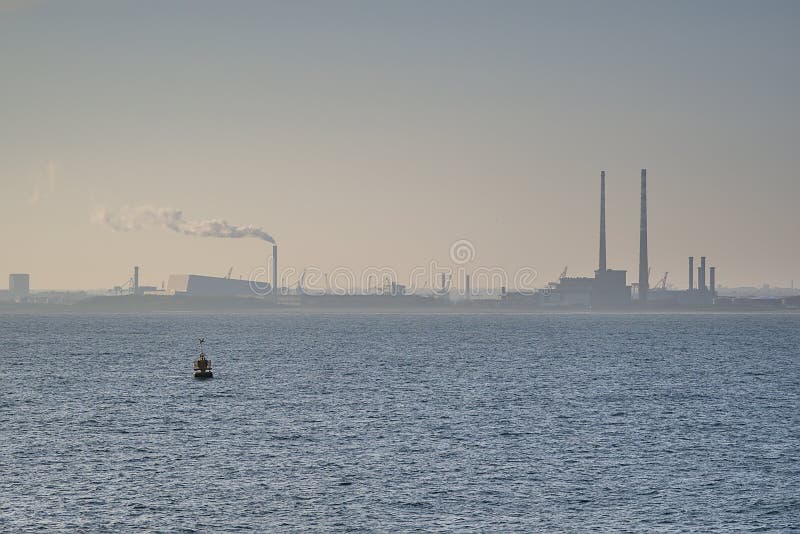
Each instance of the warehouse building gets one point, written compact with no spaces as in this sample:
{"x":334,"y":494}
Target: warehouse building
{"x":211,"y":286}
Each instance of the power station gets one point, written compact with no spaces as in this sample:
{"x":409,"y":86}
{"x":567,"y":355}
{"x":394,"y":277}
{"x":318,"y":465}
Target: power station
{"x":609,"y":288}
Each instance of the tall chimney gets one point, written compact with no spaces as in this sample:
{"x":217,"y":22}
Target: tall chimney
{"x":275,"y":272}
{"x":699,"y":277}
{"x":468,"y":289}
{"x":644,"y":284}
{"x":691,"y":273}
{"x":712,"y":279}
{"x":602,"y":266}
{"x":135,"y":279}
{"x":702,"y":280}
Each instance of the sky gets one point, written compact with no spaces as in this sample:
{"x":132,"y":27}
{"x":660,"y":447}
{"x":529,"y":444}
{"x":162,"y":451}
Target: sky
{"x":378,"y":134}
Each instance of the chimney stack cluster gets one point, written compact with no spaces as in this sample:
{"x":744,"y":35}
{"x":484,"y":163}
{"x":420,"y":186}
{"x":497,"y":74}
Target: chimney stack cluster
{"x":701,"y":277}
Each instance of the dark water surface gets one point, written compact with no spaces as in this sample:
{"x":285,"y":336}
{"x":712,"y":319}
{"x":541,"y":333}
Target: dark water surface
{"x":397,"y":422}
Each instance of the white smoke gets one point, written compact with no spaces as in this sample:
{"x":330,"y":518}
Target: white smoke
{"x":146,"y":217}
{"x":44,"y":185}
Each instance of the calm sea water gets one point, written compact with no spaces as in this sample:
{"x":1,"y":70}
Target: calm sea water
{"x":400,"y":422}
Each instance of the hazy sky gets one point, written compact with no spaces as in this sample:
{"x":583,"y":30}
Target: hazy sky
{"x":377,"y":133}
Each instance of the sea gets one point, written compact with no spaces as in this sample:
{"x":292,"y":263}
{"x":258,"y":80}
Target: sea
{"x":400,"y":422}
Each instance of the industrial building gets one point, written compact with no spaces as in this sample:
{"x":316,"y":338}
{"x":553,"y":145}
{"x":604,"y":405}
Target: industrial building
{"x":609,"y":287}
{"x":573,"y":292}
{"x":211,"y":286}
{"x":19,"y":286}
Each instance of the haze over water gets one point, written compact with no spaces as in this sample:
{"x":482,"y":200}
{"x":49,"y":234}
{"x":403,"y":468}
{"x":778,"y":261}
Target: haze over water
{"x":364,"y":134}
{"x":387,"y":422}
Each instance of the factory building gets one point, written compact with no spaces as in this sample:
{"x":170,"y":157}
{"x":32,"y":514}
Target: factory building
{"x":609,"y":287}
{"x":575,"y":292}
{"x":19,"y":286}
{"x":211,"y":286}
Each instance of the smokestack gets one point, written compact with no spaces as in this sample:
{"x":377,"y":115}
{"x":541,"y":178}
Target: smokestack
{"x":712,"y":274}
{"x":702,"y":279}
{"x":699,"y":276}
{"x":602,"y":266}
{"x":691,"y":273}
{"x":468,"y":294}
{"x":275,"y":272}
{"x":136,"y":280}
{"x":644,"y":271}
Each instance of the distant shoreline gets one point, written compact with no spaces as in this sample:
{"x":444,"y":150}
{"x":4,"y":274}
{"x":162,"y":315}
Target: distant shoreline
{"x":354,"y":305}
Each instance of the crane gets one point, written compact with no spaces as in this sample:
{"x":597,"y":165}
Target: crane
{"x":228,"y":276}
{"x":563,"y":273}
{"x":126,"y":287}
{"x":662,"y":284}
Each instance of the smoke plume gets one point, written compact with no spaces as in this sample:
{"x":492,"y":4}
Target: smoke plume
{"x":146,"y":217}
{"x":44,"y":185}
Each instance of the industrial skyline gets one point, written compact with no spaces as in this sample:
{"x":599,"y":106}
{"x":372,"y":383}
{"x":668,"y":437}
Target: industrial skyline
{"x":323,"y":265}
{"x":363,"y":135}
{"x":611,"y":281}
{"x":607,"y":290}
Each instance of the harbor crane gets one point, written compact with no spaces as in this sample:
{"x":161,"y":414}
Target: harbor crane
{"x":662,"y":284}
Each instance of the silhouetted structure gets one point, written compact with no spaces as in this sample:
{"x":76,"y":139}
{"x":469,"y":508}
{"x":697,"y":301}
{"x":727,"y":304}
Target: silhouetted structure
{"x":712,"y":274}
{"x":610,"y":289}
{"x":19,"y":286}
{"x":701,"y":283}
{"x":644,"y":270}
{"x":209,"y":286}
{"x":602,"y":266}
{"x":275,"y":284}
